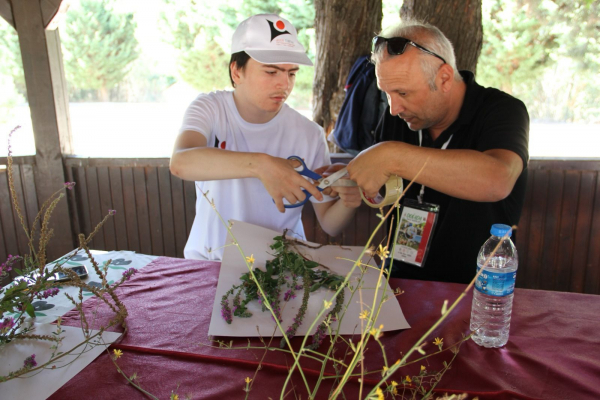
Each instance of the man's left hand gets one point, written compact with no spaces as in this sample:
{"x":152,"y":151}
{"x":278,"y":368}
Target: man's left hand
{"x":349,"y":195}
{"x":369,"y":169}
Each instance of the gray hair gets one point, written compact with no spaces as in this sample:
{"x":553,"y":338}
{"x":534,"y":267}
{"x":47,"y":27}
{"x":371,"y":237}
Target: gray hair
{"x":427,"y":36}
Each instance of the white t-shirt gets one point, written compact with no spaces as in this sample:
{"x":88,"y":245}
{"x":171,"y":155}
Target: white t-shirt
{"x":215,"y":116}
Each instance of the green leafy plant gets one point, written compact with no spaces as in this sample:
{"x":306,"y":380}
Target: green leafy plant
{"x":35,"y":280}
{"x":285,"y":271}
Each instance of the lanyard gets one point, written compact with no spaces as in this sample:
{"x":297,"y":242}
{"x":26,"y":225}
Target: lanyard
{"x":444,"y":146}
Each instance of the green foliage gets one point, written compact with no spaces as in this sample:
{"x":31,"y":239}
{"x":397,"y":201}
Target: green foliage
{"x":546,"y":53}
{"x":12,"y":79}
{"x":99,"y":46}
{"x":201,"y":32}
{"x":10,"y":54}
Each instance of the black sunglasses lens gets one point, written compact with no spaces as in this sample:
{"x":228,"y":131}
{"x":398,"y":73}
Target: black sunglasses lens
{"x":377,"y":42}
{"x":397,"y":45}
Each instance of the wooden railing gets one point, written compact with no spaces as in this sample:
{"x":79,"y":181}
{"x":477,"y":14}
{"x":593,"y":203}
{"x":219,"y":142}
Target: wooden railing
{"x":558,"y":237}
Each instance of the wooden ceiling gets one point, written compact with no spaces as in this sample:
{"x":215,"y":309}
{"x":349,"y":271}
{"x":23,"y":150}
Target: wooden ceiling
{"x":49,"y":10}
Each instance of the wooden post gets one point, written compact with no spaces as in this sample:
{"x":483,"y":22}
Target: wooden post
{"x":41,"y":57}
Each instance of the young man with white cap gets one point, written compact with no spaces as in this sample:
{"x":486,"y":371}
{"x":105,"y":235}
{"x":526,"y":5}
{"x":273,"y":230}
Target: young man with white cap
{"x":235,"y":144}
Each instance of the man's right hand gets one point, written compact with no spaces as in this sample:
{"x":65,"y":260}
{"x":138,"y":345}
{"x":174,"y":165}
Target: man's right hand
{"x":282,"y":181}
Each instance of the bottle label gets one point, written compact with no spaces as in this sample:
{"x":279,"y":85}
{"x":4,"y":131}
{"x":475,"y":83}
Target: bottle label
{"x":496,"y":283}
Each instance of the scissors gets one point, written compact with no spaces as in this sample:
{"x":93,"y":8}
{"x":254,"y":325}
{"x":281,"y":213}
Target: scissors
{"x":324,"y":183}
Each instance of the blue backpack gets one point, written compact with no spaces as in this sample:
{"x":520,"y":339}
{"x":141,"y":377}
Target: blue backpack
{"x":362,"y":109}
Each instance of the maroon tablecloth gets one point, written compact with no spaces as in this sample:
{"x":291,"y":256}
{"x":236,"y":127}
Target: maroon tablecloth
{"x":553,"y":351}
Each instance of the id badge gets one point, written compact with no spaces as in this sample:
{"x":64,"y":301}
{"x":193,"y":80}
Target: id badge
{"x":415,"y":230}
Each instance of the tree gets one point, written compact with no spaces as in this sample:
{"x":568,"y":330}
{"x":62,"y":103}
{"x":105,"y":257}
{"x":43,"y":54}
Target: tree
{"x":10,"y":54}
{"x":99,"y":46}
{"x":201,"y":32}
{"x":459,"y":20}
{"x":344,"y":30}
{"x":546,"y":53}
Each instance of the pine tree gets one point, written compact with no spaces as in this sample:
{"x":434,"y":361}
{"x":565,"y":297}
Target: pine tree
{"x":201,"y":32}
{"x":99,"y":46}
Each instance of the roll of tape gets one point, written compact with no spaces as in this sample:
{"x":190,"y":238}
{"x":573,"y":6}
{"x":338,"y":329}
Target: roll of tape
{"x":391,"y":191}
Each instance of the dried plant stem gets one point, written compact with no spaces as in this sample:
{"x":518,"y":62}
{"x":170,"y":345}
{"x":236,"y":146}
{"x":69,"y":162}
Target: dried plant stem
{"x":58,"y":357}
{"x":262,"y":293}
{"x":360,"y":344}
{"x":97,"y":228}
{"x":13,"y":193}
{"x":442,"y":318}
{"x":45,"y":234}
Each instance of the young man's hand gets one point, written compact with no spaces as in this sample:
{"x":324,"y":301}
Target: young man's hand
{"x":282,"y":181}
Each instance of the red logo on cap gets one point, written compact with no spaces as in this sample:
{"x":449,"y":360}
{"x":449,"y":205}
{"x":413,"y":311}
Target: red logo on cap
{"x":277,"y":29}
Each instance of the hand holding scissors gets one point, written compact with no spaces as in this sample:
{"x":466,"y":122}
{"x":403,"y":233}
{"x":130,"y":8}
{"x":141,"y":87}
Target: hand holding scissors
{"x":324,"y":183}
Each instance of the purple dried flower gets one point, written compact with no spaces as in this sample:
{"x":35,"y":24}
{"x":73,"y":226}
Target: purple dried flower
{"x":127,"y":274}
{"x":290,"y":294}
{"x":226,"y":313}
{"x":225,"y":310}
{"x":319,"y":336}
{"x":7,"y":265}
{"x":112,"y":212}
{"x":9,"y":139}
{"x":277,"y":313}
{"x":48,"y":293}
{"x":30,"y":361}
{"x":7,"y":324}
{"x":69,"y":185}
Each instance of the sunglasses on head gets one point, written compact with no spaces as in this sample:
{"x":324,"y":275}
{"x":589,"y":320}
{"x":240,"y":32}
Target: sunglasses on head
{"x":397,"y":46}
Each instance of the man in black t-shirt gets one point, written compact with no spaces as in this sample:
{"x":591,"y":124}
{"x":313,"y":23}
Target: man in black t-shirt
{"x":474,"y":138}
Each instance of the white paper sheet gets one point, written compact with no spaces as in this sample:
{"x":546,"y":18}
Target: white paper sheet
{"x":255,"y":240}
{"x":40,"y":385}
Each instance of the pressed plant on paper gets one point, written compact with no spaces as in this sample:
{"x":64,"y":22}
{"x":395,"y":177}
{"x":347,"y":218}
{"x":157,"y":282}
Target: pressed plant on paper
{"x":35,"y":280}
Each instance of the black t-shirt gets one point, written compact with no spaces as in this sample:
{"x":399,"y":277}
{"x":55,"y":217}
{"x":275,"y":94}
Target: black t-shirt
{"x":489,"y":119}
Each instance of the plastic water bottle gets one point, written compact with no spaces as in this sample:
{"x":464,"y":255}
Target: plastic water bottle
{"x":493,"y":293}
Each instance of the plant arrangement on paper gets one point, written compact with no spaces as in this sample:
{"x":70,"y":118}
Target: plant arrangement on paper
{"x":36,"y":280}
{"x":290,"y":273}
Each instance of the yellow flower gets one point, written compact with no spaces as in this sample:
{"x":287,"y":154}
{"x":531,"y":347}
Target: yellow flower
{"x":174,"y":396}
{"x":422,"y":368}
{"x":363,"y":314}
{"x":248,"y":380}
{"x":394,"y":383}
{"x":117,"y":353}
{"x":438,"y":341}
{"x":407,"y":379}
{"x":385,"y":370}
{"x":378,"y":395}
{"x":383,"y":252}
{"x":373,"y":332}
{"x":327,"y":304}
{"x":250,"y":259}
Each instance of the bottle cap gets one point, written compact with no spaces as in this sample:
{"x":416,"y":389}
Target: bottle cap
{"x":500,"y":230}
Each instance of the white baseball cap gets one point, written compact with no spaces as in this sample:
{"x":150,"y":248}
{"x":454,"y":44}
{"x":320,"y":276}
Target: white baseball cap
{"x":269,"y":39}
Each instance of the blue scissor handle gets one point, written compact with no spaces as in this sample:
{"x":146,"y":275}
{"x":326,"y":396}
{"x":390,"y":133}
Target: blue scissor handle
{"x":302,"y":169}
